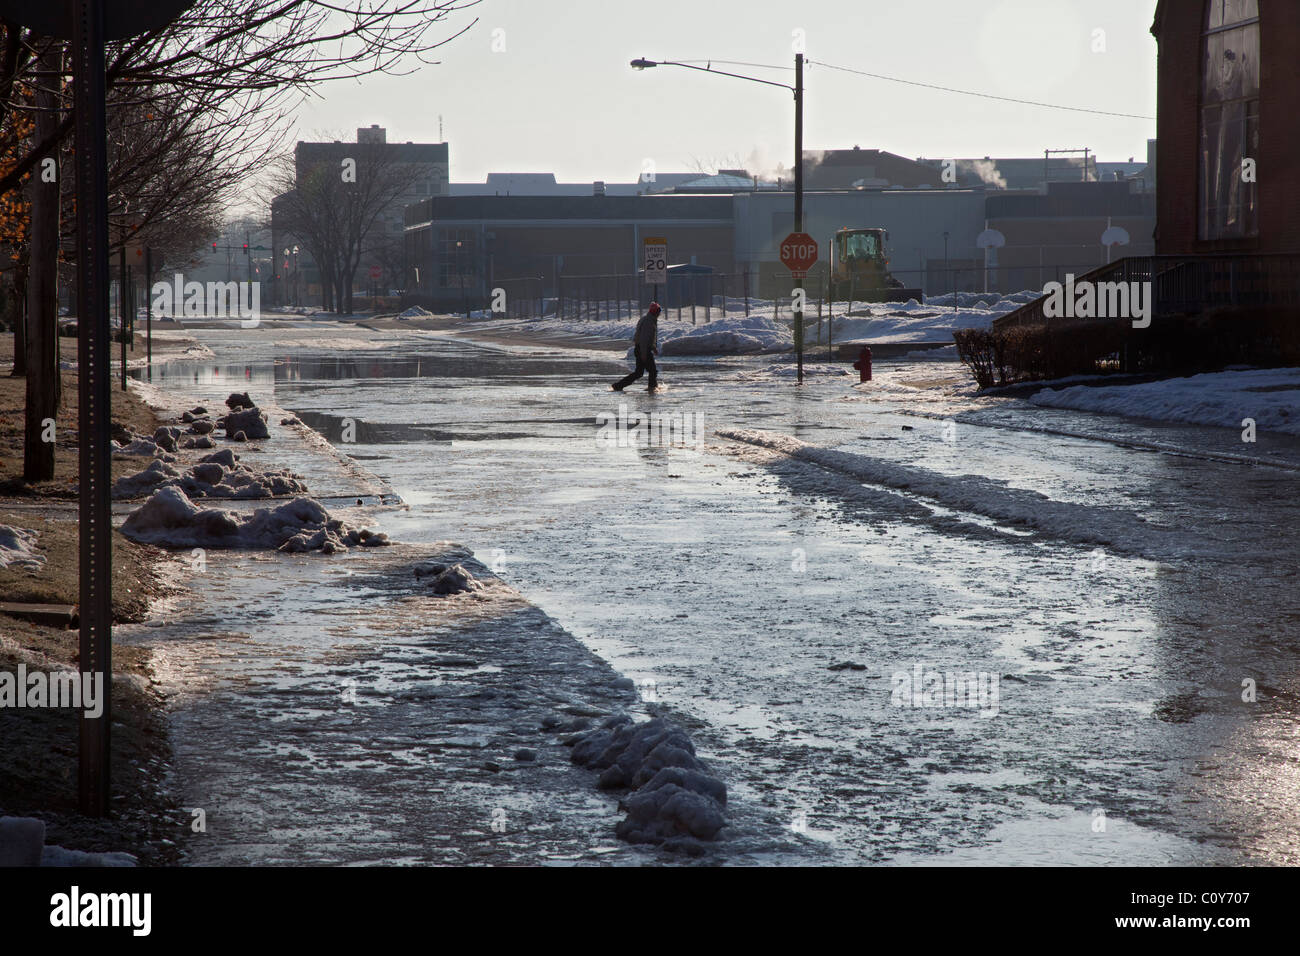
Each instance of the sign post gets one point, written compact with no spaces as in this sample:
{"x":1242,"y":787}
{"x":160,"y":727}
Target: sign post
{"x":88,"y":24}
{"x":799,"y":254}
{"x":655,"y":258}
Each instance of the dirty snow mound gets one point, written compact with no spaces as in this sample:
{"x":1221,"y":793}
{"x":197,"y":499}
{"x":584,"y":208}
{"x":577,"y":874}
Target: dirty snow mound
{"x":170,"y":519}
{"x":215,"y":476}
{"x":18,"y":549}
{"x":674,"y":802}
{"x":730,"y":336}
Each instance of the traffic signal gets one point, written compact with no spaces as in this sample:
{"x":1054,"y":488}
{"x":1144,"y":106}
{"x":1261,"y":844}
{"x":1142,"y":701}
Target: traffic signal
{"x":214,"y":247}
{"x":245,"y":247}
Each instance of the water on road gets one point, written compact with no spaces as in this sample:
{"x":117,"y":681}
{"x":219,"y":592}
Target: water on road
{"x":1130,"y":648}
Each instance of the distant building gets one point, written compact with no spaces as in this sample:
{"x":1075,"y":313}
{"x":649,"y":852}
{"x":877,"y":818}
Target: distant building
{"x":545,"y":184}
{"x":1020,"y":173}
{"x":856,"y":167}
{"x":459,"y":248}
{"x":1059,"y":231}
{"x":296,"y":276}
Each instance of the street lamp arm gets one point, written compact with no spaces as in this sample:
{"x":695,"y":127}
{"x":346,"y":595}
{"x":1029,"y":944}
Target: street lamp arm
{"x":643,"y":64}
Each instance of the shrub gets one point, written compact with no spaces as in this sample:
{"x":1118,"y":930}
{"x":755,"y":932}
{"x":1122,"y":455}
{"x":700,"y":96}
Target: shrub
{"x":1171,"y":344}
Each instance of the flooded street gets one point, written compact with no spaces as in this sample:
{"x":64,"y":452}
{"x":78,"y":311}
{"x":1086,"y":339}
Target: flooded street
{"x":1126,"y":597}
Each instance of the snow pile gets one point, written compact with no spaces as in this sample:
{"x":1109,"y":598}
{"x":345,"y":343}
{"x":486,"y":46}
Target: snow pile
{"x":250,"y":423}
{"x":215,"y":476}
{"x":674,"y":803}
{"x":784,"y":370}
{"x":730,"y":333}
{"x":910,"y":322}
{"x":449,"y":579}
{"x":18,"y":549}
{"x":167,"y":436}
{"x":414,"y":312}
{"x":983,"y":300}
{"x":141,"y":446}
{"x":22,"y":843}
{"x":170,"y":519}
{"x":731,"y":336}
{"x":1271,"y":397}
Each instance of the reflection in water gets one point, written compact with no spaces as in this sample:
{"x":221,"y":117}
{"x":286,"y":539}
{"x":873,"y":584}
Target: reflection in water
{"x":737,"y":586}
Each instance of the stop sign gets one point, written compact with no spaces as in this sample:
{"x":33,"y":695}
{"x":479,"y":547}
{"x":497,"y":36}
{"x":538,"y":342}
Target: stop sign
{"x":798,"y":252}
{"x":376,"y":272}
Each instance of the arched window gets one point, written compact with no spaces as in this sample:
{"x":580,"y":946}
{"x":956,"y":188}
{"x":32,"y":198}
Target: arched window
{"x":1229,"y":119}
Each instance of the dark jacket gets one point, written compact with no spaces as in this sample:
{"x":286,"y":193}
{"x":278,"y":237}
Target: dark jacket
{"x":646,"y":338}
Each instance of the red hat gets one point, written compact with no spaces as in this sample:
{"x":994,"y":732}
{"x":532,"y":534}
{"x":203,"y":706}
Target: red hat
{"x":654,"y":308}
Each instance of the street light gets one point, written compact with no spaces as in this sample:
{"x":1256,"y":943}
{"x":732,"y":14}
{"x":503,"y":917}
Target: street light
{"x":644,"y":64}
{"x":947,"y":271}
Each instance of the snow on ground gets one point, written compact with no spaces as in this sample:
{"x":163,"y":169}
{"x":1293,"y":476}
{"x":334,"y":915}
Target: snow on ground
{"x":733,"y":332}
{"x":1018,"y":510}
{"x":1269,"y":396}
{"x":783,"y":370}
{"x":892,"y":322}
{"x":171,"y":520}
{"x":18,"y":547}
{"x":732,"y":335}
{"x":218,"y":475}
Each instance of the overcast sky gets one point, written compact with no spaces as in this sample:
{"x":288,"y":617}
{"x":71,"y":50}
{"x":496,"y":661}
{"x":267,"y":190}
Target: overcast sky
{"x":561,"y":97}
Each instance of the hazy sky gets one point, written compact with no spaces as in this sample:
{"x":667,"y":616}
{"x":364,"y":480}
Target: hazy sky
{"x":561,"y":97}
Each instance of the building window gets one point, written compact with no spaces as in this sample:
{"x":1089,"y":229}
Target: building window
{"x":455,"y":258}
{"x":1229,"y":119}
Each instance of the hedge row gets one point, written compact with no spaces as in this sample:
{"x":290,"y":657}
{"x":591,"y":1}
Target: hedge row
{"x":1174,"y":344}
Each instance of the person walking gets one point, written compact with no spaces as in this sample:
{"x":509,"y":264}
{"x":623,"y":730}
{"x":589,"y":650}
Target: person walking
{"x":645,"y":346}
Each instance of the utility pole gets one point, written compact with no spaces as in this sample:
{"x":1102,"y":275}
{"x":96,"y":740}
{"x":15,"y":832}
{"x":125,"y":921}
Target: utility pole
{"x":798,"y":191}
{"x":94,"y":412}
{"x":121,"y":306}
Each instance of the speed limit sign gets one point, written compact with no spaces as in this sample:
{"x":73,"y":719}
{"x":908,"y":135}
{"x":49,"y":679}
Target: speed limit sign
{"x":656,"y":260}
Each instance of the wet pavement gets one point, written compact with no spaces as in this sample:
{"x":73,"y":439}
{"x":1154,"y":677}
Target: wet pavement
{"x":781,"y":603}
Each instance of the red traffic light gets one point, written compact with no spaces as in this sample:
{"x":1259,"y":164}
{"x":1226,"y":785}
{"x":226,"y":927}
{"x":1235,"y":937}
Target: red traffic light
{"x":214,"y":247}
{"x":245,"y":247}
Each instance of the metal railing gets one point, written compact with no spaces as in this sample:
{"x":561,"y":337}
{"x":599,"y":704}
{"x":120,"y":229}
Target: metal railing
{"x":1188,"y":285}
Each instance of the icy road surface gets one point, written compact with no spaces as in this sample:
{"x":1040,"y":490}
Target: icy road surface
{"x":1130,"y":590}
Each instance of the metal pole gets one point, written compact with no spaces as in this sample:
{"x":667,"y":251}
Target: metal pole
{"x":121,"y":307}
{"x":798,"y":190}
{"x":94,"y":390}
{"x":148,"y":309}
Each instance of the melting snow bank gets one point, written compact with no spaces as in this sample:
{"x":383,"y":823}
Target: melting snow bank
{"x":732,"y":336}
{"x":673,"y":802}
{"x":784,"y":370}
{"x":1122,"y":531}
{"x":1271,"y":397}
{"x":911,"y":322}
{"x":171,"y":520}
{"x":215,"y":476}
{"x":18,"y":547}
{"x":22,"y":843}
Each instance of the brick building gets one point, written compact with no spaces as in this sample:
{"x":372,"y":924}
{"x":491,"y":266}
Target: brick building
{"x":1228,"y":88}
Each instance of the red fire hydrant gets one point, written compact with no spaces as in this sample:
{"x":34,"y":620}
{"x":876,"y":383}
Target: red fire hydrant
{"x":863,"y":365}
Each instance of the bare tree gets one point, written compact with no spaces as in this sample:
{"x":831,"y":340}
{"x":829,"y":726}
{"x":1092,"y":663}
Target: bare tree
{"x":195,"y":108}
{"x":333,"y":208}
{"x":247,"y":63}
{"x":43,"y":391}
